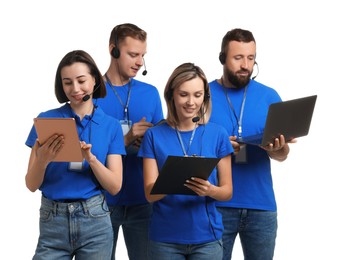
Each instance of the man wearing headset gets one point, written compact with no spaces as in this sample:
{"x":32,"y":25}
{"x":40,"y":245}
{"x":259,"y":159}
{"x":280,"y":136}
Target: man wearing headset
{"x":138,"y":107}
{"x":241,"y":104}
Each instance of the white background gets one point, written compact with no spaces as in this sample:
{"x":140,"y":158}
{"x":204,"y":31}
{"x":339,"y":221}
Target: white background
{"x":298,"y":52}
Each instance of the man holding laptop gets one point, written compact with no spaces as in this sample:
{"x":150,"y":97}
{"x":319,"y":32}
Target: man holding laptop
{"x":241,"y":105}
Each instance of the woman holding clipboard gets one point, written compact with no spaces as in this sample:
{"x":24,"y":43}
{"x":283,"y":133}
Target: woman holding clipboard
{"x":187,"y":226}
{"x":74,"y":217}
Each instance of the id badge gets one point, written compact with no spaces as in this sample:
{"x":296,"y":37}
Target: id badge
{"x":241,"y":156}
{"x":76,"y":166}
{"x":125,"y":125}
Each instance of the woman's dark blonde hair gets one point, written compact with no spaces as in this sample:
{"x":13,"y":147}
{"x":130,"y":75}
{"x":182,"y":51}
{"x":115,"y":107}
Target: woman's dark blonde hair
{"x":183,"y":73}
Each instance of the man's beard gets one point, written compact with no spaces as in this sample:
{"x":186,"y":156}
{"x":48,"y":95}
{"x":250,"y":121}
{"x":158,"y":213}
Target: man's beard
{"x":237,"y":81}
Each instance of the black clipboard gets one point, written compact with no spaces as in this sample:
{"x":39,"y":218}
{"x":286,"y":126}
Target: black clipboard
{"x":178,"y":169}
{"x":71,"y":151}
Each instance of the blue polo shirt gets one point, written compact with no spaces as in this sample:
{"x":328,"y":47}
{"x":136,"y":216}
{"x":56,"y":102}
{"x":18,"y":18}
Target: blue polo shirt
{"x":186,"y":219}
{"x":100,"y":130}
{"x":252,"y":181}
{"x":142,"y":100}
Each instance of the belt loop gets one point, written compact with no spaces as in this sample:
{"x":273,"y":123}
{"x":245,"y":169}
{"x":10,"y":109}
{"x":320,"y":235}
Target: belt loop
{"x":55,"y":208}
{"x":85,"y":207}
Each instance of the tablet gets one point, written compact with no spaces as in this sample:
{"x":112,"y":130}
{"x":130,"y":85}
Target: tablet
{"x":178,"y":169}
{"x":46,"y":127}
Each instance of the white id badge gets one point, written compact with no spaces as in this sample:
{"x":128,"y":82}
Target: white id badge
{"x":76,"y":166}
{"x":125,"y":125}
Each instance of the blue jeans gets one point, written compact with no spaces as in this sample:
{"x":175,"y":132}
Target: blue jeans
{"x":170,"y":251}
{"x":134,"y":221}
{"x":257,"y":230}
{"x":76,"y":229}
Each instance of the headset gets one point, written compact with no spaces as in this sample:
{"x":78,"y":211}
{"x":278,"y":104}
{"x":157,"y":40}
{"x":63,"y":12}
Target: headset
{"x":169,"y":93}
{"x":115,"y":51}
{"x":222,"y":57}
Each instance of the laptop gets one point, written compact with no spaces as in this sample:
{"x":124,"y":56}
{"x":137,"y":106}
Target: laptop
{"x":290,"y":118}
{"x":46,"y":127}
{"x":177,"y":169}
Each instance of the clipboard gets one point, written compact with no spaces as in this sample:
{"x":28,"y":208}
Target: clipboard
{"x":71,"y":151}
{"x":178,"y":169}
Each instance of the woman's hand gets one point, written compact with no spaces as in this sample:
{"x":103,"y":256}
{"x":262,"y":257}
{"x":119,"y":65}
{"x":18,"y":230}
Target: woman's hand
{"x":199,"y":186}
{"x":48,"y":151}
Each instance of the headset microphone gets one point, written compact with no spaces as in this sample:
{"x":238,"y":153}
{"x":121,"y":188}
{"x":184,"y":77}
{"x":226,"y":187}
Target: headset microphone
{"x":196,"y":119}
{"x":145,"y":71}
{"x":255,"y":63}
{"x":86,"y":97}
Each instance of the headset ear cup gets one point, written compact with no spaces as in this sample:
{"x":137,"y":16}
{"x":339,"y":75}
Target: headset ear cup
{"x":115,"y":52}
{"x":207,"y":97}
{"x":222,"y":58}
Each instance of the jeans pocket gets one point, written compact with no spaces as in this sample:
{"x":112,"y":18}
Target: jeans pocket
{"x":98,"y":211}
{"x":45,"y":215}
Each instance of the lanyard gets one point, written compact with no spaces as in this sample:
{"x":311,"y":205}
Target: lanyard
{"x":79,"y":166}
{"x":125,"y":107}
{"x":86,"y":125}
{"x":181,"y":141}
{"x":239,"y":121}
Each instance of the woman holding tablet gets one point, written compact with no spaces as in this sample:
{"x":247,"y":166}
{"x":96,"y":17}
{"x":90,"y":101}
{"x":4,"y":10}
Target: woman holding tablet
{"x":74,"y":217}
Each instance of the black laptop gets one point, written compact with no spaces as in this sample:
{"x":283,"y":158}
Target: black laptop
{"x":290,"y":118}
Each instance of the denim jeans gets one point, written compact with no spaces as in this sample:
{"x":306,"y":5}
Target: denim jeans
{"x":257,"y":230}
{"x":134,"y":221}
{"x":170,"y":251}
{"x":76,"y":229}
